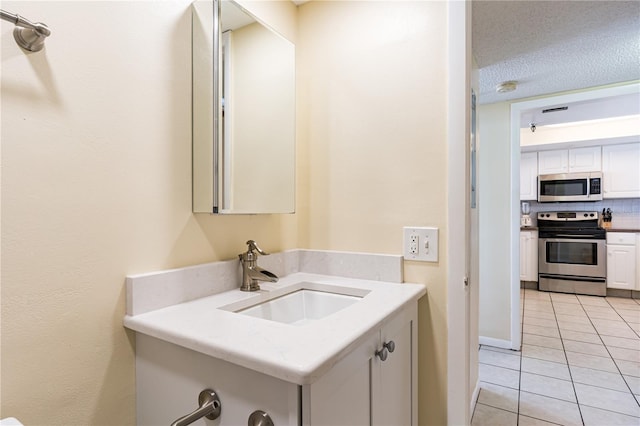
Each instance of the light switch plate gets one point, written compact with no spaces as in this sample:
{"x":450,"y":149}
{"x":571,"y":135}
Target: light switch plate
{"x":420,"y":243}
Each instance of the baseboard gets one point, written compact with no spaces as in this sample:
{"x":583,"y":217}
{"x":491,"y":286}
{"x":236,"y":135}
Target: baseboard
{"x":497,"y":343}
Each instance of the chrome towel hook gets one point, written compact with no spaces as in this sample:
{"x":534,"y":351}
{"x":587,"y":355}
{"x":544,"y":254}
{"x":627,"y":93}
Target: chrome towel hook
{"x":28,"y":35}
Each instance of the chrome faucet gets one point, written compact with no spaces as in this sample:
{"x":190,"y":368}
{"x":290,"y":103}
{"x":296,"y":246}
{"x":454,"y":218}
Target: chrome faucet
{"x":251,"y":272}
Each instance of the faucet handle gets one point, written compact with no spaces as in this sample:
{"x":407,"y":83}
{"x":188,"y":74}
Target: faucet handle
{"x":253,"y":246}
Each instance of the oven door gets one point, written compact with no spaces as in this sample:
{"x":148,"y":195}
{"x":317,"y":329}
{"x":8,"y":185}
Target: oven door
{"x":572,"y":257}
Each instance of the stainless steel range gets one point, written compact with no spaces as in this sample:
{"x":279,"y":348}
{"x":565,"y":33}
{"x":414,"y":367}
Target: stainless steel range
{"x":571,"y":253}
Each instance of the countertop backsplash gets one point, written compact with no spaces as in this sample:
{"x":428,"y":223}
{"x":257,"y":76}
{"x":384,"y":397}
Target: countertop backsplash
{"x":626,"y":212}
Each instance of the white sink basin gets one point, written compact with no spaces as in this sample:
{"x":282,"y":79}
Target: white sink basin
{"x":301,"y":305}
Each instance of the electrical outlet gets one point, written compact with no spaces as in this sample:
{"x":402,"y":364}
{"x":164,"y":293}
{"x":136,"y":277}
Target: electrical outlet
{"x":420,"y":243}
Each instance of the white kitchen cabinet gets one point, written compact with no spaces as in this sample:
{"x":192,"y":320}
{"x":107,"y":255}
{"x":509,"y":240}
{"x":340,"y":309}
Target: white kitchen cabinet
{"x":621,"y":171}
{"x":528,"y":176}
{"x":360,"y":389}
{"x":621,"y":261}
{"x":529,"y":255}
{"x":550,"y":162}
{"x":588,"y":159}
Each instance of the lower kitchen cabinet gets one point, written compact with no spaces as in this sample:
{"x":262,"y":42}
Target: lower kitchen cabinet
{"x":374,"y":384}
{"x":621,"y":261}
{"x":529,"y":255}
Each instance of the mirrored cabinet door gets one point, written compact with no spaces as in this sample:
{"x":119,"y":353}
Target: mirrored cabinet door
{"x":243,"y":113}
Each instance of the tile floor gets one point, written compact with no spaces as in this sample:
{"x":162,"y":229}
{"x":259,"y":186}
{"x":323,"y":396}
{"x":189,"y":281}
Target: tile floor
{"x":579,"y":365}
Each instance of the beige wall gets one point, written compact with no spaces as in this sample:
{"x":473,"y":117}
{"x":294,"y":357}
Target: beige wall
{"x":372,"y":118}
{"x":96,"y":180}
{"x":96,"y":184}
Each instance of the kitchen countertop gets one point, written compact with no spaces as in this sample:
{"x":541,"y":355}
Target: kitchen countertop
{"x":528,"y":228}
{"x":298,"y":354}
{"x":623,"y":230}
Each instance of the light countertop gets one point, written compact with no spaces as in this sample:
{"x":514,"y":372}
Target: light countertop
{"x":295,"y":353}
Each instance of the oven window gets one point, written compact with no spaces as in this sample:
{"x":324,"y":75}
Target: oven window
{"x":564,"y":187}
{"x":575,"y":253}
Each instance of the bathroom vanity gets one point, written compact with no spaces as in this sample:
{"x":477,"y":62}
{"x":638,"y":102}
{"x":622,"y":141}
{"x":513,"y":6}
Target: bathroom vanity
{"x":350,"y":357}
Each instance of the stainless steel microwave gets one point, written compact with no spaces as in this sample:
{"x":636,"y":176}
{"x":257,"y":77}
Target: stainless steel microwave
{"x":564,"y":187}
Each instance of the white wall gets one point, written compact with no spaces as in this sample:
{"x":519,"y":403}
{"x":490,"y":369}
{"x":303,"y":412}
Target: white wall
{"x":494,"y":161}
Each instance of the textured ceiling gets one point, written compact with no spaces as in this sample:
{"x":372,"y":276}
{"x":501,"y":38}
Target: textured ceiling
{"x":553,"y":46}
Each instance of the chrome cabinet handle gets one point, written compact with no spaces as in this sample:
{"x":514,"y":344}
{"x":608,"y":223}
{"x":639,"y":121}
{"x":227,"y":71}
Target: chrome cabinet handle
{"x":387,"y":347}
{"x":260,"y":418}
{"x":210,"y":407}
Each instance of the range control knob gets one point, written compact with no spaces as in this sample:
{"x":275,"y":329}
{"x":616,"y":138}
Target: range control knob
{"x":586,"y":215}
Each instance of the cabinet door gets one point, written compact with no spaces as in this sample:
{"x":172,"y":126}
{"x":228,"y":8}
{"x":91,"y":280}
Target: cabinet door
{"x":343,"y":395}
{"x":621,"y":267}
{"x":587,"y":159}
{"x":393,"y":395}
{"x":621,"y":171}
{"x":529,"y":176}
{"x":553,"y":162}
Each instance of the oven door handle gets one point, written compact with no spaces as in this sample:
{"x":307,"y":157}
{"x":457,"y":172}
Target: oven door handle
{"x":578,"y":237}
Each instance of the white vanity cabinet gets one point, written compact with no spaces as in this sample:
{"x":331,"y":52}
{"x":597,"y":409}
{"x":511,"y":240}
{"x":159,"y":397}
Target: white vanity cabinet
{"x":364,"y":389}
{"x":588,"y":159}
{"x":529,"y":255}
{"x":621,"y":171}
{"x":528,"y":176}
{"x":360,"y":389}
{"x":621,"y":260}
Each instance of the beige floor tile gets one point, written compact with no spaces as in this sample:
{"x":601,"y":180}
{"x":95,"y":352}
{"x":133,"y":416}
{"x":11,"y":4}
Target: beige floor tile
{"x":499,"y":359}
{"x":575,"y":326}
{"x":530,"y":421}
{"x":580,"y":318}
{"x":503,"y":350}
{"x":484,"y":415}
{"x":564,"y":298}
{"x":630,"y":316}
{"x":546,"y":368}
{"x":606,"y":399}
{"x":597,"y":417}
{"x":539,"y":314}
{"x":542,"y":322}
{"x":538,"y":306}
{"x":567,"y":309}
{"x":499,"y":376}
{"x":603,"y":379}
{"x":547,"y":354}
{"x":547,"y":342}
{"x":591,"y":361}
{"x":586,"y":348}
{"x":625,"y":354}
{"x":498,"y":397}
{"x":629,"y":368}
{"x":549,"y":409}
{"x":591,"y":308}
{"x":623,"y":303}
{"x":633,"y":383}
{"x":547,"y":386}
{"x":627,"y":333}
{"x":635,"y":327}
{"x":541,"y":331}
{"x":620,"y":342}
{"x":592,"y":300}
{"x":607,"y":323}
{"x":610,"y":315}
{"x":580,"y":336}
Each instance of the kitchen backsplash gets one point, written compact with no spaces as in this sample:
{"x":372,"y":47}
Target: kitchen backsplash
{"x":626,"y":212}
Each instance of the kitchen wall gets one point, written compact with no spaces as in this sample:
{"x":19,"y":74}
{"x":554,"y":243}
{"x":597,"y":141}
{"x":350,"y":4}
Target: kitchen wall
{"x":96,"y":184}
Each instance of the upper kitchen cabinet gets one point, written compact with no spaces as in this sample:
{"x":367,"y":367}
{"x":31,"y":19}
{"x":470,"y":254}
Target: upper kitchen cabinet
{"x":621,"y":171}
{"x":588,"y":159}
{"x":528,"y":176}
